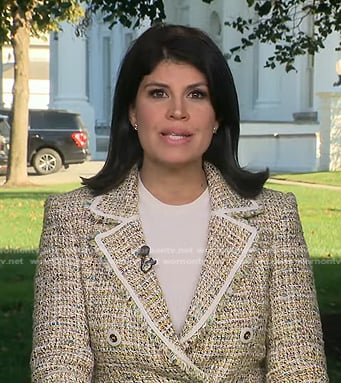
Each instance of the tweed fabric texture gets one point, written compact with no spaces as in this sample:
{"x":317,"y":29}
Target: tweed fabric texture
{"x":98,"y":318}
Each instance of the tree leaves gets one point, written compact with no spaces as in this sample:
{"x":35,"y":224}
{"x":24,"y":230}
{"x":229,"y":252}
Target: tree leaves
{"x":263,"y":9}
{"x":129,"y":13}
{"x":286,"y":25}
{"x":40,"y":15}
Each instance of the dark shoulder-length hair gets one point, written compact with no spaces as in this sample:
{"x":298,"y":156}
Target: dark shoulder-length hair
{"x":192,"y":46}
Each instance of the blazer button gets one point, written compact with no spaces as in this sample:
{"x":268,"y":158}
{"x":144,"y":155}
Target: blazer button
{"x":246,"y":335}
{"x":113,"y":338}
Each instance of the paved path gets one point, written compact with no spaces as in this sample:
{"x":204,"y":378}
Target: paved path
{"x":70,"y":175}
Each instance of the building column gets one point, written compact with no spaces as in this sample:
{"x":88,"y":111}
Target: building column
{"x":68,"y":76}
{"x":330,"y":131}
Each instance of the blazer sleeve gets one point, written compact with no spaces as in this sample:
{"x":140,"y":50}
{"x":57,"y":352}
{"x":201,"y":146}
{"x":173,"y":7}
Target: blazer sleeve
{"x":295,"y":341}
{"x":61,"y":345}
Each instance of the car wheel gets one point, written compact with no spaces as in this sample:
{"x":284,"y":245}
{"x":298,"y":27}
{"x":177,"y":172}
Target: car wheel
{"x":47,"y":161}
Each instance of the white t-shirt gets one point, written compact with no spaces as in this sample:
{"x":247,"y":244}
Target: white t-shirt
{"x":177,"y":237}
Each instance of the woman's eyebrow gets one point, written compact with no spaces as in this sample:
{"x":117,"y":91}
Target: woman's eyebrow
{"x":156,"y":84}
{"x":163,"y":85}
{"x":197,"y":84}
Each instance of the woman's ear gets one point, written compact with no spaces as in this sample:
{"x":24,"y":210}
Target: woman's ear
{"x":216,"y":126}
{"x":132,"y":115}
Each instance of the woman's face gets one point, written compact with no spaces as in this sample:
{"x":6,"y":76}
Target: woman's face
{"x":174,"y":115}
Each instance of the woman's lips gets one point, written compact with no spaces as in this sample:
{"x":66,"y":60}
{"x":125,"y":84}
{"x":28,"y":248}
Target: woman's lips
{"x":176,"y":137}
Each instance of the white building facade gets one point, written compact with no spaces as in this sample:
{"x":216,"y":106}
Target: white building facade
{"x":39,"y":83}
{"x":291,"y":122}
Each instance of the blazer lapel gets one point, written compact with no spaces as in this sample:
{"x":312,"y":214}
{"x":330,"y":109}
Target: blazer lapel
{"x":119,"y":242}
{"x":230,"y":238}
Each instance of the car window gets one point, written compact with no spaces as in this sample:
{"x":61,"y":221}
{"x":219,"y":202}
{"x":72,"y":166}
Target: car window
{"x":36,"y":121}
{"x":53,"y":120}
{"x":62,"y":121}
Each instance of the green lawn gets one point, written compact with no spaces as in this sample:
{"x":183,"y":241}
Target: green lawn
{"x":20,"y":226}
{"x":325,"y":178}
{"x":22,"y":215}
{"x":320,"y":211}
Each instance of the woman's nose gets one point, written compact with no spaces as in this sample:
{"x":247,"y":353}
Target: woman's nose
{"x":177,"y":109}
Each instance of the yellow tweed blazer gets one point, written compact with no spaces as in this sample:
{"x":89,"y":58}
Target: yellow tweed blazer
{"x":98,"y":318}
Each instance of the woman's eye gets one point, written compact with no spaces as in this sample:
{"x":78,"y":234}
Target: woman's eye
{"x":157,"y":93}
{"x":198,"y":94}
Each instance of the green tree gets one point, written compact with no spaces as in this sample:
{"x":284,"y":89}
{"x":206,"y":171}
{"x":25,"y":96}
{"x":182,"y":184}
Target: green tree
{"x":19,"y":21}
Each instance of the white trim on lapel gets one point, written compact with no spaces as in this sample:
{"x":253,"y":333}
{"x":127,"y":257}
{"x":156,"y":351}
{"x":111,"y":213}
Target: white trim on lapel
{"x":230,"y":239}
{"x":94,"y":209}
{"x":253,"y":232}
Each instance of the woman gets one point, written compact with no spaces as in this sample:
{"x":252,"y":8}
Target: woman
{"x":173,"y":264}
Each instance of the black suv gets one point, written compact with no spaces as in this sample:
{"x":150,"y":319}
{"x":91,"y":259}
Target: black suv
{"x":56,"y":138}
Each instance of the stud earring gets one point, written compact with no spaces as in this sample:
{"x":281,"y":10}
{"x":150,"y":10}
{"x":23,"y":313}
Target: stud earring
{"x":215,"y":130}
{"x":135,"y":126}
